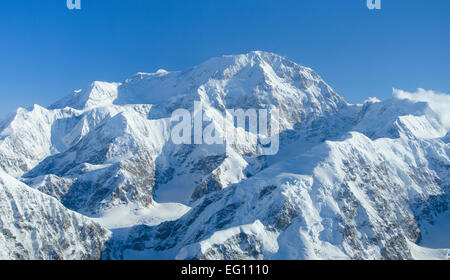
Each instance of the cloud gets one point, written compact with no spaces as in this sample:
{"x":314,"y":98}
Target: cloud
{"x":372,"y":100}
{"x":438,"y":102}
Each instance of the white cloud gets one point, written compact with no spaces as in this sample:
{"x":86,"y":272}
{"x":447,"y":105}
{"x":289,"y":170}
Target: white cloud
{"x":372,"y":100}
{"x":438,"y":102}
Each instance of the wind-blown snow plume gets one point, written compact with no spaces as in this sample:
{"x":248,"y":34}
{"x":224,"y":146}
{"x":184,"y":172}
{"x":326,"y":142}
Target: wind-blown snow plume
{"x":438,"y":102}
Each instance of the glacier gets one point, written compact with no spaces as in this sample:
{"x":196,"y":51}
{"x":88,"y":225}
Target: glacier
{"x":350,"y":181}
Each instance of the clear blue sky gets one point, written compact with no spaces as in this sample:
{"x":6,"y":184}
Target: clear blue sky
{"x":46,"y":50}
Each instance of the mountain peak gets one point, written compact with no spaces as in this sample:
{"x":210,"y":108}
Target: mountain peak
{"x":256,"y":79}
{"x":97,"y":94}
{"x":252,"y":59}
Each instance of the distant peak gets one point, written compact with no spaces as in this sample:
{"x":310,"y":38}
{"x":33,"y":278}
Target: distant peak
{"x":143,"y":75}
{"x":161,"y":71}
{"x":372,"y":100}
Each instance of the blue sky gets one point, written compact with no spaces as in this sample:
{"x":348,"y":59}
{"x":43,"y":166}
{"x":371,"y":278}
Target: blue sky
{"x":47,"y":51}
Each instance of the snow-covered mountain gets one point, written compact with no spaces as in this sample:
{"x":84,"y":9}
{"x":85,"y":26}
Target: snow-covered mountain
{"x":362,"y":181}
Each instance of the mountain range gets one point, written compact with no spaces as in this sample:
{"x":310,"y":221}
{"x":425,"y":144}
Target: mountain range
{"x":96,"y":175}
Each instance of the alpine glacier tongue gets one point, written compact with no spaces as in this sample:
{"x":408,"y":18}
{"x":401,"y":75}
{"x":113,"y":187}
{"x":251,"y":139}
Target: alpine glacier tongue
{"x":362,"y":181}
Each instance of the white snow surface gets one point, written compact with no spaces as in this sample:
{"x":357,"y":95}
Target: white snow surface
{"x":131,"y":215}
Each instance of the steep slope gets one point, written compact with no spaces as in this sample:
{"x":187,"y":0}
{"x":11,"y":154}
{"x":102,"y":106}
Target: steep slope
{"x":36,"y":226}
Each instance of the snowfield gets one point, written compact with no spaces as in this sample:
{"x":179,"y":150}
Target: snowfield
{"x":96,"y":175}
